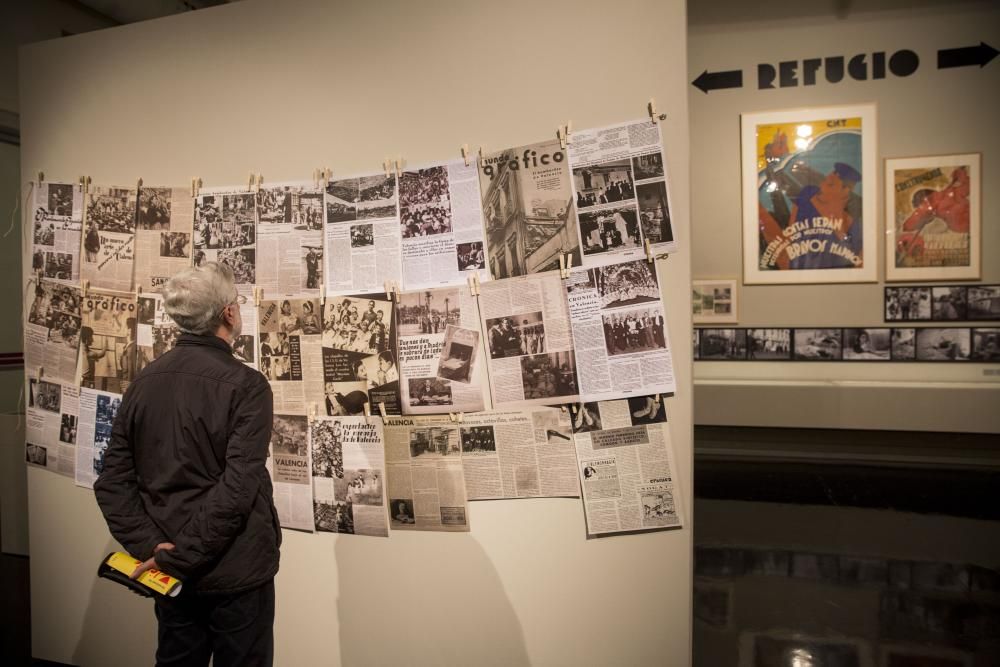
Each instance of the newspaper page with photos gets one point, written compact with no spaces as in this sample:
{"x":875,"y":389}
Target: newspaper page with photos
{"x":620,"y":331}
{"x":290,"y":238}
{"x":361,"y":234}
{"x":620,"y":190}
{"x":245,"y":345}
{"x":626,"y":464}
{"x":289,"y":466}
{"x":290,"y":352}
{"x":107,"y":341}
{"x":348,"y":475}
{"x":225,"y":231}
{"x":97,"y":414}
{"x":528,"y":341}
{"x":441,"y":222}
{"x":163,"y":230}
{"x":50,"y":426}
{"x":528,"y":209}
{"x":109,"y":237}
{"x":55,"y":241}
{"x":52,"y":331}
{"x":519,"y":454}
{"x":359,"y":355}
{"x":426,"y":487}
{"x":442,"y":361}
{"x":156,"y":333}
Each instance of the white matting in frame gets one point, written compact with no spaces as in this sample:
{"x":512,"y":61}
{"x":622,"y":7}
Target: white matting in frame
{"x":933,"y":224}
{"x":714,"y":301}
{"x":809,"y":190}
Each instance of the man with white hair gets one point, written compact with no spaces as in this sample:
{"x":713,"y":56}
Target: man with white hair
{"x":184,"y":487}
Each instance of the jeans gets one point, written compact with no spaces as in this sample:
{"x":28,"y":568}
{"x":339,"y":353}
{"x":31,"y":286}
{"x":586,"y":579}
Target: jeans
{"x":232,"y":629}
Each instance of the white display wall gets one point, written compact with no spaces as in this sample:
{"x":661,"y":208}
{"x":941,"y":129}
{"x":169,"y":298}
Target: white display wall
{"x":281,"y":88}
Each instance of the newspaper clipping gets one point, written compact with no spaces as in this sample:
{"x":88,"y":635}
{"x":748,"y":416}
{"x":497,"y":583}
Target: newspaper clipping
{"x":156,"y":333}
{"x":362,"y":234}
{"x":245,"y":345}
{"x":524,"y":454}
{"x":290,"y":355}
{"x":52,"y":332}
{"x":441,"y":222}
{"x":426,"y":487}
{"x":289,"y":466}
{"x":620,"y":190}
{"x":290,"y":238}
{"x":348,"y":476}
{"x":528,"y":341}
{"x":163,"y":229}
{"x":528,"y":209}
{"x":51,"y":423}
{"x":107,"y":341}
{"x":626,"y":465}
{"x":441,"y":355}
{"x":225,"y":229}
{"x":97,"y":414}
{"x":359,"y":355}
{"x":55,"y":243}
{"x":109,"y":237}
{"x":619,"y":330}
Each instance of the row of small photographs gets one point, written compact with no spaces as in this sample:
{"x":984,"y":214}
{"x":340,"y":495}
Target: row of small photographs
{"x":871,"y":344}
{"x":942,"y":303}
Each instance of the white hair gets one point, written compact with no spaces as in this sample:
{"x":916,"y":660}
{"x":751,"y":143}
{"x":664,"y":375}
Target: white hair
{"x":196,"y":297}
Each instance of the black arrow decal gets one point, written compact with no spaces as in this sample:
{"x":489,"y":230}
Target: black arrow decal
{"x":718,"y":80}
{"x":969,"y":55}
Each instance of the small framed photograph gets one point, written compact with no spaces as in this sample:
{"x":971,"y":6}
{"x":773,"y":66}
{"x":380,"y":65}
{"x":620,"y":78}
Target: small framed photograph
{"x":933,"y":229}
{"x":986,"y":344}
{"x":984,"y":302}
{"x":948,"y":304}
{"x":867,"y":344}
{"x":714,"y":301}
{"x":903,"y":344}
{"x":940,"y":344}
{"x":908,"y":304}
{"x":769,"y":344}
{"x":817,"y":344}
{"x":922,"y":655}
{"x":724,"y":344}
{"x":783,"y":649}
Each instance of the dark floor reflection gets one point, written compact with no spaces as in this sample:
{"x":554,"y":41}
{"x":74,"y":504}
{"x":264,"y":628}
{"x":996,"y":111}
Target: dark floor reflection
{"x":804,"y":563}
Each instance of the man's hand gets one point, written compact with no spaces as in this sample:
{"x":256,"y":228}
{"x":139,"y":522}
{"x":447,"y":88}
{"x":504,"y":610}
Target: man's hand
{"x":150,"y":564}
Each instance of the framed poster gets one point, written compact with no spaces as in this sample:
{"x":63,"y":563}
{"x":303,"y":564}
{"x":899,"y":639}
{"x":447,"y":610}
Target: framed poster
{"x":809,"y":190}
{"x":932,"y":217}
{"x":714,"y":301}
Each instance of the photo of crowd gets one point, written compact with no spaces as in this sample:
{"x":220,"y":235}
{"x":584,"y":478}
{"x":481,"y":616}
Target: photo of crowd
{"x":867,"y":344}
{"x":289,"y":435}
{"x":626,"y":284}
{"x":376,"y":197}
{"x":637,"y":330}
{"x":769,"y":344}
{"x":345,"y":327}
{"x":429,"y":391}
{"x":154,"y":209}
{"x":549,"y":375}
{"x":817,"y":344}
{"x":935,"y":344}
{"x":609,"y":229}
{"x":362,"y":236}
{"x":478,"y":439}
{"x":433,"y":442}
{"x":241,"y":261}
{"x":648,"y":166}
{"x":112,"y":210}
{"x":327,"y":448}
{"x":341,"y":198}
{"x":175,"y":244}
{"x":274,"y":205}
{"x":470,"y":256}
{"x":904,"y":304}
{"x":603,"y":183}
{"x":57,"y":308}
{"x":424,"y":202}
{"x":516,"y":335}
{"x":333,"y":516}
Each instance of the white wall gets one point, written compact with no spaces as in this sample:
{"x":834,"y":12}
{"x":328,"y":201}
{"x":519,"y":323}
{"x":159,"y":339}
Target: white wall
{"x":282,"y":88}
{"x":931,"y":112}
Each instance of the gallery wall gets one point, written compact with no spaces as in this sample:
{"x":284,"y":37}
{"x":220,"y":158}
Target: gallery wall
{"x":927,"y":113}
{"x":283,"y":88}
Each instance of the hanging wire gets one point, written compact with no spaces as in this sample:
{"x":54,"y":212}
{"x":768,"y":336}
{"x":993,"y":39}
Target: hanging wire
{"x":17,"y":204}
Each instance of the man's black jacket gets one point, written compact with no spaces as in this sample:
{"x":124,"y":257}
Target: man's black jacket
{"x":186,"y":465}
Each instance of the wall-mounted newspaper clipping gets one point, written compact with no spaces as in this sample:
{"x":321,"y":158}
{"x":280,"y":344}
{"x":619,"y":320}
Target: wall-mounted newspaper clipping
{"x":426,"y":487}
{"x":442,"y":361}
{"x":51,"y":424}
{"x":97,"y":414}
{"x":362,"y":234}
{"x":55,"y":242}
{"x":225,"y":231}
{"x":107,"y":341}
{"x":156,"y":333}
{"x":528,"y":341}
{"x":109,"y":237}
{"x":523,"y":454}
{"x":620,"y":331}
{"x":348,"y":475}
{"x":290,"y":238}
{"x":359,"y":355}
{"x":528,"y":209}
{"x":626,"y":465}
{"x":245,"y":345}
{"x":52,"y":332}
{"x":163,"y":230}
{"x":620,"y":191}
{"x":441,"y":222}
{"x":290,"y":352}
{"x":290,"y":466}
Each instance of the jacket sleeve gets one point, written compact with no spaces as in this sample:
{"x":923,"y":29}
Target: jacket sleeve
{"x":117,"y":492}
{"x":223,"y":513}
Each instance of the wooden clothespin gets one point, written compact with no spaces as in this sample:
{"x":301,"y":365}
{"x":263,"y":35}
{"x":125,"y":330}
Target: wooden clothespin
{"x":572,"y":409}
{"x":653,"y":115}
{"x":474,"y":284}
{"x":399,"y":165}
{"x":327,"y":174}
{"x":40,"y":177}
{"x":84,"y":288}
{"x":312,"y":411}
{"x":482,"y":154}
{"x":316,"y":178}
{"x":565,"y":264}
{"x":41,"y":372}
{"x":561,"y":135}
{"x":368,"y":412}
{"x":650,"y":257}
{"x":381,"y":410}
{"x":322,"y":294}
{"x":138,"y":291}
{"x":656,"y":399}
{"x":138,"y":183}
{"x":387,"y":165}
{"x":562,"y":408}
{"x":465,"y":154}
{"x":456,"y":417}
{"x":195,"y":186}
{"x":258,"y":294}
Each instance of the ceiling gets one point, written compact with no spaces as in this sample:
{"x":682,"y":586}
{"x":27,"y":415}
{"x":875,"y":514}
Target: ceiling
{"x":132,"y":11}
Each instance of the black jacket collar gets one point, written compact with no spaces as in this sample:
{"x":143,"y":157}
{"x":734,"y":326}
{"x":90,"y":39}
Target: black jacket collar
{"x":211,"y":341}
